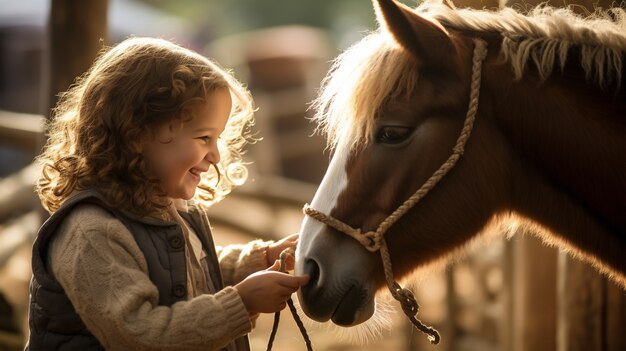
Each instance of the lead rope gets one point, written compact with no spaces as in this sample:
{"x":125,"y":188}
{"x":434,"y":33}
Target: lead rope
{"x":283,"y":257}
{"x":375,"y":240}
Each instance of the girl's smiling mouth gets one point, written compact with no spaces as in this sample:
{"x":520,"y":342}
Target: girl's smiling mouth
{"x":196,"y":173}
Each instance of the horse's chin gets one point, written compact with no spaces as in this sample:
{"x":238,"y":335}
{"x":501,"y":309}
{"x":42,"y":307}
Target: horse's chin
{"x":364,"y":333}
{"x":352,"y":319}
{"x":353,"y":309}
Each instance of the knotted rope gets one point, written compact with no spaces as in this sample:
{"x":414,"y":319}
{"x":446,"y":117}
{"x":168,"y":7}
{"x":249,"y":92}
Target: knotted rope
{"x":375,"y":240}
{"x":283,"y":257}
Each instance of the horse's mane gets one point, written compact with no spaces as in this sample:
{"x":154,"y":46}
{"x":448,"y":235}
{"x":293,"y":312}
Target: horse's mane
{"x":546,"y":34}
{"x":376,"y":68}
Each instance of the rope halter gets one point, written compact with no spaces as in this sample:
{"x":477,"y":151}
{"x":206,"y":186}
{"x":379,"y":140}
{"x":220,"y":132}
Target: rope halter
{"x":286,"y":253}
{"x":375,"y":240}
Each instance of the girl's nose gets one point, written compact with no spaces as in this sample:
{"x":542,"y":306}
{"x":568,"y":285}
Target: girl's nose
{"x":213,"y":155}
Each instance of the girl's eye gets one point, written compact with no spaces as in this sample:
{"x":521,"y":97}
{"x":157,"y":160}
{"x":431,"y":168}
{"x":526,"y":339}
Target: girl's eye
{"x":206,"y":139}
{"x":393,"y":135}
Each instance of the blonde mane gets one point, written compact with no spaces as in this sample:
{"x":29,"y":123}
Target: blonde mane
{"x":376,"y":68}
{"x":546,"y":34}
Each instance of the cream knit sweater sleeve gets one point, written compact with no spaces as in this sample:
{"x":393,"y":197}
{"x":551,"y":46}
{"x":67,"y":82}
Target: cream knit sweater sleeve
{"x":96,"y":260}
{"x":239,"y":261}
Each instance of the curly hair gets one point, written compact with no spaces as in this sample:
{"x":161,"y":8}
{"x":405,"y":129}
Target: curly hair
{"x":131,"y":89}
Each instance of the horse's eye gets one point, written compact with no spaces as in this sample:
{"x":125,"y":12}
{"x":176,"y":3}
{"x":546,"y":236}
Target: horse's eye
{"x":392,"y":135}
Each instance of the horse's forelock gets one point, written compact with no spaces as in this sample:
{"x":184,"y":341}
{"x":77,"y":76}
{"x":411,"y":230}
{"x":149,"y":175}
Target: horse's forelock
{"x":359,"y":81}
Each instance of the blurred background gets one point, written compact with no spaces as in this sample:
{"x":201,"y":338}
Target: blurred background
{"x":504,"y":295}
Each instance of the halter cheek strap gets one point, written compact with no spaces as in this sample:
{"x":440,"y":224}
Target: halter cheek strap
{"x":375,"y":240}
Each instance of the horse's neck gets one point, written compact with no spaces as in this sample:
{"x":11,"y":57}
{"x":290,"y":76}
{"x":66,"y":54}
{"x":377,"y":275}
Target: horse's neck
{"x":559,"y":131}
{"x":567,"y":142}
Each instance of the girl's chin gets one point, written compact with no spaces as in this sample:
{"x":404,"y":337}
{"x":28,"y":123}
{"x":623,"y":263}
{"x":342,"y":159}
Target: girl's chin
{"x":188,"y":195}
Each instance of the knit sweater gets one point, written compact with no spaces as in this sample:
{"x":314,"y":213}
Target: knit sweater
{"x":119,"y":303}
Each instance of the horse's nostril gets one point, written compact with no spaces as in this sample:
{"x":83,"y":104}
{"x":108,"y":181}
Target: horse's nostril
{"x":313,"y":270}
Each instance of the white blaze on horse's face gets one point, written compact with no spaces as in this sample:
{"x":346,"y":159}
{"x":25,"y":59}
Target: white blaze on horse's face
{"x":325,"y":198}
{"x":341,"y":291}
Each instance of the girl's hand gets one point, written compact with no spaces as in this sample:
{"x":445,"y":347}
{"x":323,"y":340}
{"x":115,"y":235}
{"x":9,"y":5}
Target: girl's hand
{"x":267,"y":291}
{"x":274,"y":250}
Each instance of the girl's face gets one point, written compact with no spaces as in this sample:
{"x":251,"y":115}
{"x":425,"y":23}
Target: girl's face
{"x":178,"y":155}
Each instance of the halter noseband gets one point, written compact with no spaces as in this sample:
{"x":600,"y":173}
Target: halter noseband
{"x":375,"y":240}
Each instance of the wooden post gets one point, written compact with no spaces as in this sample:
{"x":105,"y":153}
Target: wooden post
{"x":591,"y":309}
{"x":77,"y":31}
{"x":533,"y":296}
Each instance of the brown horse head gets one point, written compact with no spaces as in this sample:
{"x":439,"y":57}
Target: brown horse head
{"x":546,"y":148}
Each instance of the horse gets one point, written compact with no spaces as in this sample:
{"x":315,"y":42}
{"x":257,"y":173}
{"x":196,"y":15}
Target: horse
{"x":485,"y":120}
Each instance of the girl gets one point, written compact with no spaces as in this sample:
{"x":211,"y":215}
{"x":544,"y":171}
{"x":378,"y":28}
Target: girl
{"x":127,"y":261}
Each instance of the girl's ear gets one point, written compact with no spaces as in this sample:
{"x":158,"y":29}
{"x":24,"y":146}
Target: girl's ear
{"x":428,"y":43}
{"x":137,"y":146}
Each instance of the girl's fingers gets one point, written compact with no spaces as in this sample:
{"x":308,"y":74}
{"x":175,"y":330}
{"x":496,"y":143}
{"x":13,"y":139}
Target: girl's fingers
{"x":274,"y":267}
{"x":294,"y":282}
{"x":290,"y":262}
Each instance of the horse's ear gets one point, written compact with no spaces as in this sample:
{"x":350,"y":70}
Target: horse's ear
{"x":426,"y":41}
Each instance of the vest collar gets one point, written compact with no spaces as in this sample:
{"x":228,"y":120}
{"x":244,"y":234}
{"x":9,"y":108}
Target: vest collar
{"x":180,"y":205}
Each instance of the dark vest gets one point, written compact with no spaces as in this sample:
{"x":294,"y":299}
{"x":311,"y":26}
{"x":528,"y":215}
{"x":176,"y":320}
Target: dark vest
{"x":53,"y":321}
